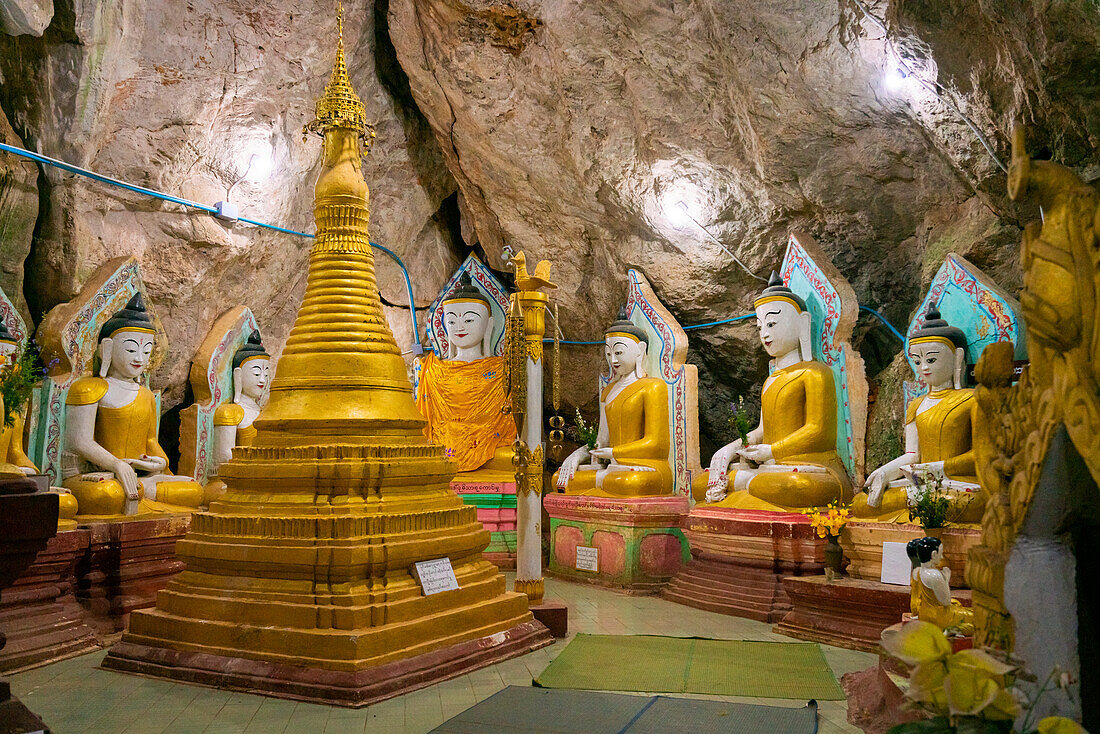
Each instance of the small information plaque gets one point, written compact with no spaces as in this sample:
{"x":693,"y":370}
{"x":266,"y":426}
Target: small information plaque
{"x":435,"y":576}
{"x":588,"y":558}
{"x":896,"y":566}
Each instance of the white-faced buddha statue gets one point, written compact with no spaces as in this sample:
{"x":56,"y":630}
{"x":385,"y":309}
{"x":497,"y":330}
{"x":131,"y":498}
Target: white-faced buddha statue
{"x":233,"y":420}
{"x":13,"y":459}
{"x":114,"y":464}
{"x":939,"y":434}
{"x":631,"y":454}
{"x":462,"y":396}
{"x":790,"y":461}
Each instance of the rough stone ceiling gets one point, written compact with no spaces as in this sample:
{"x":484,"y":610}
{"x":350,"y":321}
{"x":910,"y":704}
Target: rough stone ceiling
{"x":566,"y":129}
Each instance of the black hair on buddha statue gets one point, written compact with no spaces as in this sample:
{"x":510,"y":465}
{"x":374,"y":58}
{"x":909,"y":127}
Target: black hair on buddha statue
{"x":625,"y":326}
{"x":465,"y":290}
{"x":251,"y":349}
{"x":5,"y":335}
{"x":936,"y":328}
{"x":777,"y":290}
{"x":132,"y":317}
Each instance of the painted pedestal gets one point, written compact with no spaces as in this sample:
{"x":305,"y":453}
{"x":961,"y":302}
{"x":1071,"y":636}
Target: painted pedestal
{"x":845,"y":612}
{"x":862,"y":544}
{"x":28,"y":519}
{"x":39,"y":613}
{"x":640,"y":543}
{"x":127,"y":563}
{"x":496,"y":511}
{"x":738,"y":560}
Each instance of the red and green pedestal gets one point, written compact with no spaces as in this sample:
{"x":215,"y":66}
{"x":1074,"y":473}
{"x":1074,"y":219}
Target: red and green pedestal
{"x":638,"y":541}
{"x":496,"y":510}
{"x":739,"y":559}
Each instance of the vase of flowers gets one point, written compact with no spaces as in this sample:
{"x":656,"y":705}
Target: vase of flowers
{"x":827,"y":522}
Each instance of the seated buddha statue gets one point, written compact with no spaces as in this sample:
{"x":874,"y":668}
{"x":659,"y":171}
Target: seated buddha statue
{"x":631,"y":454}
{"x":939,"y":434}
{"x":790,"y":461}
{"x":111,"y":425}
{"x":13,"y":460}
{"x":233,"y":420}
{"x":462,"y":397}
{"x":930,"y":588}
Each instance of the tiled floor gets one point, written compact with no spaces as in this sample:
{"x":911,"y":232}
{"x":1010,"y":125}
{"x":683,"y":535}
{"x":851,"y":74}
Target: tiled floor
{"x":76,"y":697}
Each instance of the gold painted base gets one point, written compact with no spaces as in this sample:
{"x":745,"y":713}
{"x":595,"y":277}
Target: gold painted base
{"x":533,"y":588}
{"x":340,"y":688}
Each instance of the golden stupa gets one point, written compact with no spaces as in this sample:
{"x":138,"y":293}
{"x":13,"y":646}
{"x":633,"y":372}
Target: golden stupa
{"x":298,"y":581}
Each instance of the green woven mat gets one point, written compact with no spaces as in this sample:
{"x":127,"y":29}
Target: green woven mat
{"x":656,"y":664}
{"x":519,"y":710}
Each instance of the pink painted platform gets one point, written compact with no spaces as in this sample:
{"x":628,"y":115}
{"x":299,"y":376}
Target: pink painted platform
{"x":496,"y":515}
{"x":639,"y":540}
{"x":739,"y":558}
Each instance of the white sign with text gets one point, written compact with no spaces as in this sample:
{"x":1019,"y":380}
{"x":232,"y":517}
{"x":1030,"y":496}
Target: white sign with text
{"x":896,"y":566}
{"x":588,"y":558}
{"x":435,"y":576}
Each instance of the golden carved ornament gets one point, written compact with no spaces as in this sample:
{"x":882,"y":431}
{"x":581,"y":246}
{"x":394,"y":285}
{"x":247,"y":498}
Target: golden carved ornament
{"x":340,"y":106}
{"x":1060,"y":257}
{"x":533,"y":588}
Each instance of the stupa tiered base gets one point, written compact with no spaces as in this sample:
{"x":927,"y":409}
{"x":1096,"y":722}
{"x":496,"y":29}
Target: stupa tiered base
{"x":311,"y":598}
{"x":126,"y":564}
{"x":39,"y":613}
{"x":862,"y":544}
{"x":352,"y":688}
{"x":739,"y":558}
{"x":496,"y":511}
{"x":639,"y":541}
{"x":844,"y":612}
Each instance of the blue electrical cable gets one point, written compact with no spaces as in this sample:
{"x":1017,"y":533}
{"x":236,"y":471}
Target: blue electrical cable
{"x":886,"y":323}
{"x":869,"y":310}
{"x":404,"y":271}
{"x":208,"y":209}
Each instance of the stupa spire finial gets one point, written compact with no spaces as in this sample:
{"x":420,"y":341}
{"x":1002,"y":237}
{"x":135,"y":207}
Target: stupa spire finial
{"x":340,"y":106}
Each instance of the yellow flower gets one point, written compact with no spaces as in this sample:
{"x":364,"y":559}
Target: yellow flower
{"x":1060,"y":725}
{"x":916,"y":642}
{"x":975,"y":684}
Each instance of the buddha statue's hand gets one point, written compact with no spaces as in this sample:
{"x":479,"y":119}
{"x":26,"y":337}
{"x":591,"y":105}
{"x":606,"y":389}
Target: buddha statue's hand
{"x":719,"y":471}
{"x":876,"y":486}
{"x":569,"y":466}
{"x":760,"y":453}
{"x":603,"y":453}
{"x":148,"y":464}
{"x":126,"y":474}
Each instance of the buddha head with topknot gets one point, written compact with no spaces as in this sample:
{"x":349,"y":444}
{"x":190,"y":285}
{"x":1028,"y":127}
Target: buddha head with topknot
{"x":468,"y":321}
{"x":126,"y":342}
{"x":8,"y":343}
{"x":783,"y":321}
{"x":625,"y":348}
{"x":251,"y":369}
{"x":937,"y":351}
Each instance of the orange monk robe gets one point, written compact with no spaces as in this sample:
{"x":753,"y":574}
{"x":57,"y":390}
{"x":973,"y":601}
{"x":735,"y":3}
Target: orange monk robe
{"x":462,"y":403}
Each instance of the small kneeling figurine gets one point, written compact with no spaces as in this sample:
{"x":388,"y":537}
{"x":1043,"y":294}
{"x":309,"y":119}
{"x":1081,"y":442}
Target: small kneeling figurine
{"x":111,"y":423}
{"x":930,"y":589}
{"x":233,"y":420}
{"x":939,"y":433}
{"x":13,"y":459}
{"x":790,"y":461}
{"x":631,"y":454}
